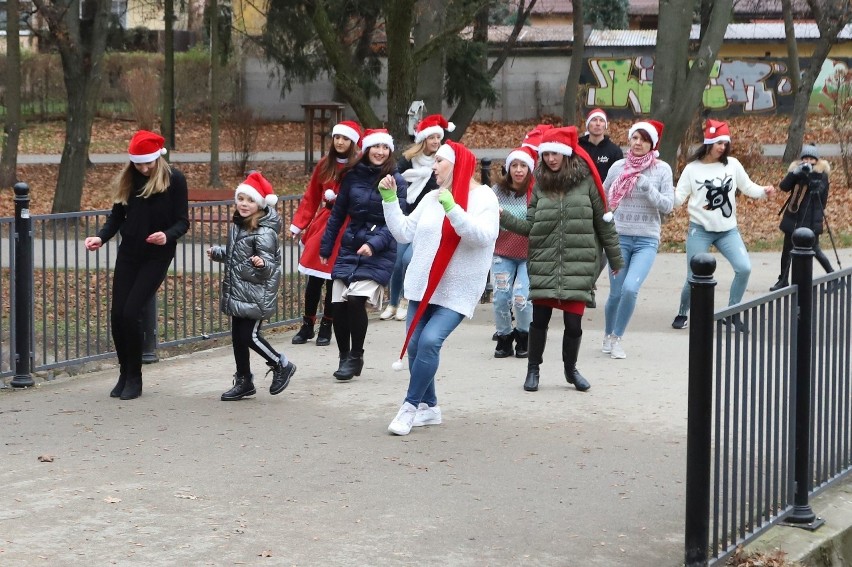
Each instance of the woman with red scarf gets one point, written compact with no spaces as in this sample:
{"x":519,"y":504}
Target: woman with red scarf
{"x":452,"y":234}
{"x":640,"y":190}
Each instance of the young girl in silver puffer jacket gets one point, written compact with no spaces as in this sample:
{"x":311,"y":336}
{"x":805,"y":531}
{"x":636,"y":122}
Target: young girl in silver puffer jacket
{"x":252,"y":261}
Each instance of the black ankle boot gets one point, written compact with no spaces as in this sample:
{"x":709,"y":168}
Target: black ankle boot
{"x":132,"y":388}
{"x":281,"y":374}
{"x":570,"y":352}
{"x":521,"y":344}
{"x":243,"y":386}
{"x":119,"y":386}
{"x":306,"y":331}
{"x":324,"y":334}
{"x":504,"y":346}
{"x":537,"y":340}
{"x":350,"y":366}
{"x":780,"y":284}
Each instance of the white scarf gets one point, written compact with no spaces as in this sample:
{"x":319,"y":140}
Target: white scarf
{"x":418,"y":176}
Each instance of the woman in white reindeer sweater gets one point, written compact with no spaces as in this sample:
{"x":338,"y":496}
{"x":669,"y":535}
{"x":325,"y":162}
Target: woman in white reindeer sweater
{"x":452,"y":234}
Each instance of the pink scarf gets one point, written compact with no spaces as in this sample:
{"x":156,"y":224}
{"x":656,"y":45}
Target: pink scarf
{"x":625,"y":183}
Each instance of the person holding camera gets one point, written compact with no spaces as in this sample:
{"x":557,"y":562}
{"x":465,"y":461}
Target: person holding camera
{"x":807,"y":183}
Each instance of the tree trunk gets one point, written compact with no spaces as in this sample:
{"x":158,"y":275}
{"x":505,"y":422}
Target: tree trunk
{"x":679,"y":87}
{"x":830,"y":22}
{"x":794,"y":72}
{"x":168,"y":111}
{"x":12,"y":124}
{"x":430,"y":79}
{"x":215,"y":180}
{"x":81,"y":41}
{"x":572,"y":83}
{"x":402,"y":72}
{"x":469,"y":104}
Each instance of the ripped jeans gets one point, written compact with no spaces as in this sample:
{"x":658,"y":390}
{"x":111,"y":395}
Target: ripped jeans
{"x":511,"y":282}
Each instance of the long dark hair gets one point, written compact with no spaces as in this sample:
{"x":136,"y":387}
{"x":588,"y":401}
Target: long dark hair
{"x":704,"y":149}
{"x":505,"y":184}
{"x":327,"y":166}
{"x":574,"y":169}
{"x":386,"y":168}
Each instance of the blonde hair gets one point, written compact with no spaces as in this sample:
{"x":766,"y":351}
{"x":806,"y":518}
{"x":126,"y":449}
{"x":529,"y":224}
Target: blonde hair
{"x":414,"y":150}
{"x":158,"y":181}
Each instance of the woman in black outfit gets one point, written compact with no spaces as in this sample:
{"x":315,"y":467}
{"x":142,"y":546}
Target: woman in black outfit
{"x":807,"y":183}
{"x":150,"y":211}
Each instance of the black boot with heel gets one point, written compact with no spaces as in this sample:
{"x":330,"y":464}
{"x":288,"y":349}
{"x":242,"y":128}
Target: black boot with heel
{"x":324,"y":333}
{"x":306,"y":331}
{"x":537,"y":340}
{"x":570,"y":352}
{"x":350,"y":366}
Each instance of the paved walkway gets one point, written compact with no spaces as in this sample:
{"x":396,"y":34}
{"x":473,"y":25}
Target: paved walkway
{"x":769,"y":150}
{"x":311,"y":477}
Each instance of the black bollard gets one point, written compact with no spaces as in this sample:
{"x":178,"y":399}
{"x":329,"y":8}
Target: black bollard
{"x":699,"y":411}
{"x":802,"y":277}
{"x":23,"y":289}
{"x":485,"y":171}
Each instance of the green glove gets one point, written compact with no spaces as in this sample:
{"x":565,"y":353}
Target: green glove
{"x":446,"y":200}
{"x":388,"y":195}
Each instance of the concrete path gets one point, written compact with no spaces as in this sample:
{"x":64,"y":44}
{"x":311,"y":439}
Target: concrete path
{"x":311,"y":477}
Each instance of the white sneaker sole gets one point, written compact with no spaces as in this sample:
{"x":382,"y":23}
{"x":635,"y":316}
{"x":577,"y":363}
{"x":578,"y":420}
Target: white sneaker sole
{"x":435,"y":421}
{"x":618,"y":356}
{"x":397,"y":431}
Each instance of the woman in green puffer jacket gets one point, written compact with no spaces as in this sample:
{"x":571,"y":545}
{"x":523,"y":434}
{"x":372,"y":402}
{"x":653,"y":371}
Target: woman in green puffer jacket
{"x":565,"y":217}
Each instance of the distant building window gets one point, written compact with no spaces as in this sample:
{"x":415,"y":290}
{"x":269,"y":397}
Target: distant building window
{"x":119,"y":10}
{"x":26,"y":9}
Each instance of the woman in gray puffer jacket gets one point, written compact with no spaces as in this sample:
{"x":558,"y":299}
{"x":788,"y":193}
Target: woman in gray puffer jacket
{"x":252,"y":261}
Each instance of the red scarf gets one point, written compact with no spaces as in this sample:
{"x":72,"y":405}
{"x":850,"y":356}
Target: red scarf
{"x":624,"y":184}
{"x":462,"y":174}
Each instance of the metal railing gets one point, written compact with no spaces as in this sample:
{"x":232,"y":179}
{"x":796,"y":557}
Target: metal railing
{"x":770,"y":411}
{"x":71,"y":287}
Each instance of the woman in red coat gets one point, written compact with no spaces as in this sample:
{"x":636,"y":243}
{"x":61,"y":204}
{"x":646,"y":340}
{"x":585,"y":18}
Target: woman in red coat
{"x":310,"y":220}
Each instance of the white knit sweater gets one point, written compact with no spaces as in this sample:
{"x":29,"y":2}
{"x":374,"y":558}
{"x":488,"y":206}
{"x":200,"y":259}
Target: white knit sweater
{"x":461,"y":287}
{"x":712,"y":190}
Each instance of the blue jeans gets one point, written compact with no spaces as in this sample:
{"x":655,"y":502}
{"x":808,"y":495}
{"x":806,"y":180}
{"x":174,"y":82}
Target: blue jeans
{"x":511,"y":289}
{"x":424,"y":350}
{"x":638,"y":253}
{"x":403,"y":258}
{"x":730,"y":245}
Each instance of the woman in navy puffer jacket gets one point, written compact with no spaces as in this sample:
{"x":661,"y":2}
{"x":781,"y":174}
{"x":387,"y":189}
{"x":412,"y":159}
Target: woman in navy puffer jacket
{"x":367,"y":250}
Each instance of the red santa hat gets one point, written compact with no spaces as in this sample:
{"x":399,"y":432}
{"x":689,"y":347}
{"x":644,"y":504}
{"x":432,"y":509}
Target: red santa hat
{"x":146,"y":146}
{"x":464,"y":164}
{"x":596,"y":113}
{"x":376,"y":136}
{"x":566,"y":142}
{"x":347,"y":129}
{"x":654,"y":130}
{"x":524,"y":154}
{"x":258,"y":189}
{"x":432,"y":124}
{"x":716,"y":131}
{"x":533,"y":138}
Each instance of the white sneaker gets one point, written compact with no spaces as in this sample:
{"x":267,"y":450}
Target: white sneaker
{"x":606,"y":347}
{"x":427,"y":416}
{"x":402,"y":311}
{"x":388,"y":313}
{"x":401,"y":424}
{"x":617,"y":350}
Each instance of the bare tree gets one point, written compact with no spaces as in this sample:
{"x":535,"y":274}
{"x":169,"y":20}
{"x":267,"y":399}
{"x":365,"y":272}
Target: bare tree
{"x":572,"y":83}
{"x":430,"y":78}
{"x":831,"y":16}
{"x":12,"y":95}
{"x":215,"y":81}
{"x":78,"y":30}
{"x":678,"y":87}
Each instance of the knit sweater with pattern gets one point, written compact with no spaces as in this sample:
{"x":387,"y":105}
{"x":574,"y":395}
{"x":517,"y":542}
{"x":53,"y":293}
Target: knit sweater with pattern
{"x":509,"y":244}
{"x":638,"y":214}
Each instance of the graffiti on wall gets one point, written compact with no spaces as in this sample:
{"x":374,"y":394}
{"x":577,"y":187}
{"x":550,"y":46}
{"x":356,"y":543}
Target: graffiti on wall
{"x":737,"y":85}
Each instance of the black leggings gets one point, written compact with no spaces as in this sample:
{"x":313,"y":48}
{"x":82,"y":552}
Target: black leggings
{"x":245,"y":335}
{"x":135,"y":282}
{"x":541,"y":320}
{"x":350,"y":325}
{"x":786,"y":258}
{"x":313,"y":290}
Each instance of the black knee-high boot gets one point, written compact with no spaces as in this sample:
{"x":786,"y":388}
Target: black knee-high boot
{"x":570,"y":352}
{"x":536,"y":342}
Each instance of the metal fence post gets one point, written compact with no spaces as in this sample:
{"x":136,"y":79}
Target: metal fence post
{"x":149,"y":332}
{"x":699,"y":411}
{"x":802,"y":277}
{"x":23,"y":289}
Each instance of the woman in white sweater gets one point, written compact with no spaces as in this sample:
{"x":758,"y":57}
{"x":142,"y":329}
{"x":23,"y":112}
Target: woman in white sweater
{"x":639,"y":189}
{"x":710,"y":181}
{"x":452,"y":234}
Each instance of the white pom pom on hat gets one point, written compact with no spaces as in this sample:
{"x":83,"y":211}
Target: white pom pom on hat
{"x":329,"y":195}
{"x":258,"y":189}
